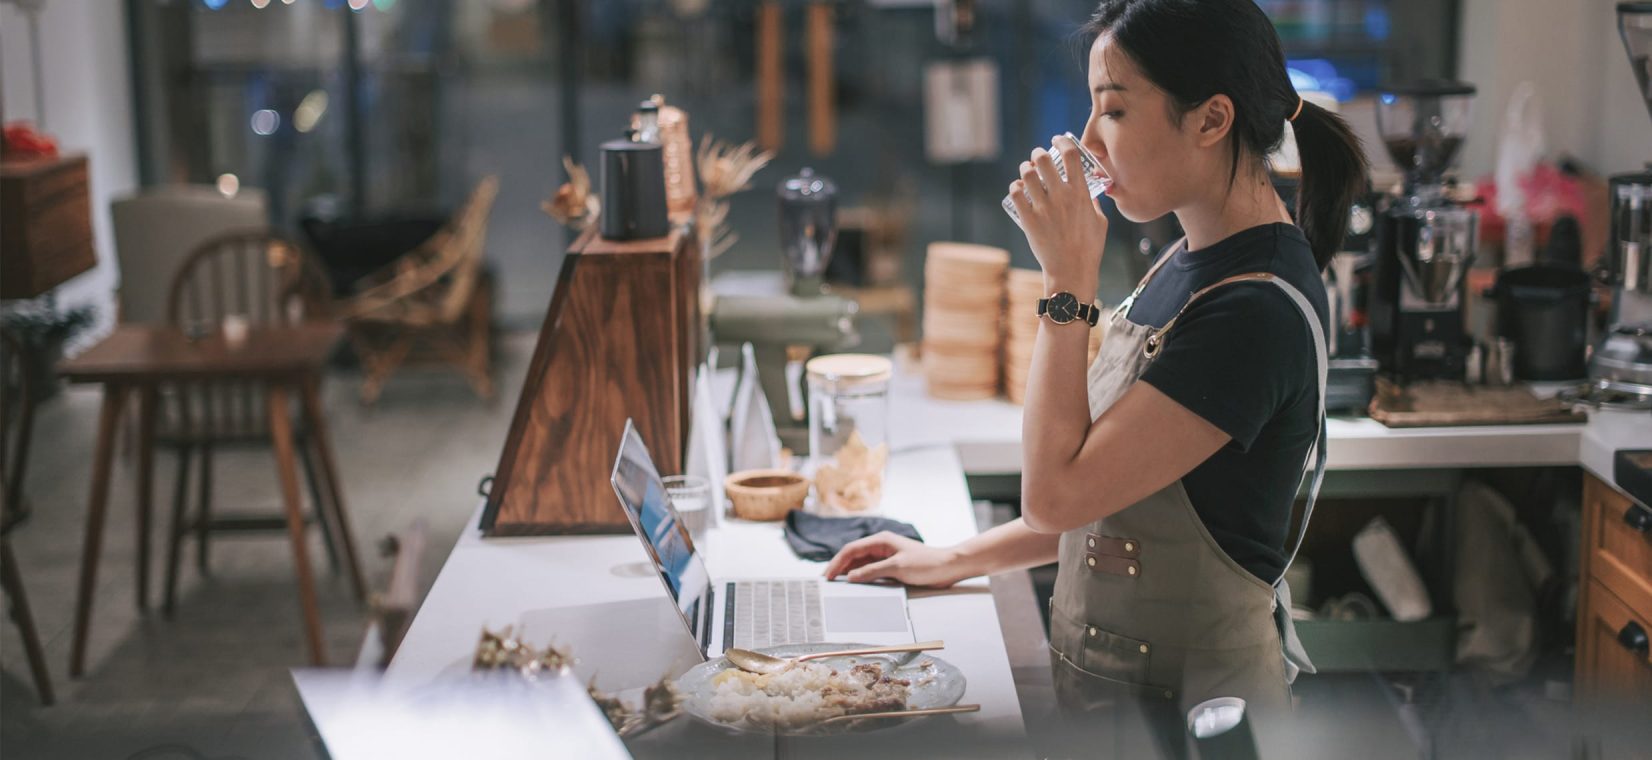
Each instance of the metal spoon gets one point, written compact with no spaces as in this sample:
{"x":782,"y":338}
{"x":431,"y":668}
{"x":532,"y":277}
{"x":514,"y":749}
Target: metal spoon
{"x":904,"y":713}
{"x":757,"y":662}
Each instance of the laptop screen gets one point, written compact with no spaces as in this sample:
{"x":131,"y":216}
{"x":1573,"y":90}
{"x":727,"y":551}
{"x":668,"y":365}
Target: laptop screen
{"x":642,"y":494}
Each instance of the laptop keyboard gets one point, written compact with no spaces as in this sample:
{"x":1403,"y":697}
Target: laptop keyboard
{"x":767,"y":613}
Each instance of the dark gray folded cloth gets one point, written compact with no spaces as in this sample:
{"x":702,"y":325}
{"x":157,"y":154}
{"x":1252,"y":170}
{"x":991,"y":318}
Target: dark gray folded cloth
{"x":819,"y":538}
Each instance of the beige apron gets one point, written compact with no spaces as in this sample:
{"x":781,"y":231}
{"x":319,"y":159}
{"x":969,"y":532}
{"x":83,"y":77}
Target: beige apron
{"x":1148,"y":609}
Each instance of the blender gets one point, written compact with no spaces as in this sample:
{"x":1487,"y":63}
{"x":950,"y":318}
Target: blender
{"x":1425,"y":240}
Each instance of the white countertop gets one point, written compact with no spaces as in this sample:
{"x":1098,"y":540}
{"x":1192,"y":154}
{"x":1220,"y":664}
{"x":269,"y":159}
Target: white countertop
{"x":597,"y":595}
{"x":1608,"y":432}
{"x":589,"y":584}
{"x":988,"y":437}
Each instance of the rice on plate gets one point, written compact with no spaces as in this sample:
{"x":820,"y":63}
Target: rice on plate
{"x":803,"y":694}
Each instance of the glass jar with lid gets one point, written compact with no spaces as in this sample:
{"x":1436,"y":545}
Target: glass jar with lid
{"x":848,"y":431}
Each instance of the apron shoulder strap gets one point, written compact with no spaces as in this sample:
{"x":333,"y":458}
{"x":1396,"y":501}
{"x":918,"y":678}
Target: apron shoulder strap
{"x":1296,"y":657}
{"x":1316,"y":453}
{"x":1124,"y":306}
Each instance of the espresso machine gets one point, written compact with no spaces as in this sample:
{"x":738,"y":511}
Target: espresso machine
{"x":789,"y":317}
{"x":1620,"y":367}
{"x":1425,"y":240}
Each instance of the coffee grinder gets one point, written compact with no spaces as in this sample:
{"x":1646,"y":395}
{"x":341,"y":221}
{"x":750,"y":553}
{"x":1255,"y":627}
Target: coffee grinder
{"x":1425,"y":239}
{"x":1620,"y":368}
{"x":789,"y":318}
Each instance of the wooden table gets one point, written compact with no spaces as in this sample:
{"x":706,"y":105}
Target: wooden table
{"x":143,"y":359}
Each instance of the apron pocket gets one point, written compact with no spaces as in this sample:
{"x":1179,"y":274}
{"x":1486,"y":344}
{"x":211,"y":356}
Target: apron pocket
{"x":1080,"y":689}
{"x":1093,"y":664}
{"x":1115,"y":657}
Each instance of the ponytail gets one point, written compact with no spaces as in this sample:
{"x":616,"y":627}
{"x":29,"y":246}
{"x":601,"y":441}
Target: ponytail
{"x":1333,"y":175}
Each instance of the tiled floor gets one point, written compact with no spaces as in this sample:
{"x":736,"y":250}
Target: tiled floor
{"x":212,"y":683}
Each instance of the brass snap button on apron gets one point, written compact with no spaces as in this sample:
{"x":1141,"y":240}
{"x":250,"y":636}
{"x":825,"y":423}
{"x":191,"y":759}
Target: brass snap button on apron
{"x":1129,"y":547}
{"x":1144,"y":649}
{"x":1131,"y":570}
{"x":1091,"y":561}
{"x":1093,"y":631}
{"x":1092,"y":542}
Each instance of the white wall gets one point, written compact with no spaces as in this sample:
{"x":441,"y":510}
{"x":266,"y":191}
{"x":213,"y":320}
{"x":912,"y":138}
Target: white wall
{"x":87,"y":82}
{"x":1568,"y":49}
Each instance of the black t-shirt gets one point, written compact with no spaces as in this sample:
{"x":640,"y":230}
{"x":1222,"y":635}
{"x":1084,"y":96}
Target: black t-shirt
{"x":1242,"y":358}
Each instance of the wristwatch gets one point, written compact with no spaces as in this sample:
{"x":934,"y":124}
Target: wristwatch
{"x":1064,"y":307}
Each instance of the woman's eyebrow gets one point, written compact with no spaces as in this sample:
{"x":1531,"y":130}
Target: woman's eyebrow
{"x":1114,"y":86}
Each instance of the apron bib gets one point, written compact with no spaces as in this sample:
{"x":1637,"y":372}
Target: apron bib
{"x":1148,"y":610}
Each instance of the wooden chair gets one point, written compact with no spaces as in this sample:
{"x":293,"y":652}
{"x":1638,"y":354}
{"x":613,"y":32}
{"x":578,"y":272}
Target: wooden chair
{"x":14,"y":387}
{"x":270,"y":281}
{"x":435,"y":295}
{"x":157,"y":228}
{"x":391,"y":611}
{"x":17,"y":402}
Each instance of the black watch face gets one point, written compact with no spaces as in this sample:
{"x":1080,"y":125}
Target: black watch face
{"x":1062,"y":308}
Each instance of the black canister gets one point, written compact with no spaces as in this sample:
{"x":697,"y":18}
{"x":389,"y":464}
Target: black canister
{"x":633,"y":191}
{"x":1544,"y":310}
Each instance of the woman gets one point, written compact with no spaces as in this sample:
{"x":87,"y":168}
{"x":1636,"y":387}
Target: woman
{"x":1162,"y":479}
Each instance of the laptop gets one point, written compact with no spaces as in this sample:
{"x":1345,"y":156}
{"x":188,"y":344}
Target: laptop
{"x":746,"y":612}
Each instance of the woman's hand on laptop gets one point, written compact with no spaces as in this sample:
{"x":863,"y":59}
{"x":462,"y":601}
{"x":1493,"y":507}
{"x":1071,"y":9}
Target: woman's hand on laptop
{"x":888,"y":556}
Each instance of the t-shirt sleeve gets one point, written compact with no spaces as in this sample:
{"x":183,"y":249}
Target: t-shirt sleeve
{"x":1236,"y":357}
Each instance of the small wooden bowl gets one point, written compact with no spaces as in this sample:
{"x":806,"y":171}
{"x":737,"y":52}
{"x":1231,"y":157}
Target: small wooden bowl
{"x":765,"y":494}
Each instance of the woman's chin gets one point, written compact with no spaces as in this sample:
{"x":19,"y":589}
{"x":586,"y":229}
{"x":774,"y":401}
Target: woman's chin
{"x":1132,"y":211}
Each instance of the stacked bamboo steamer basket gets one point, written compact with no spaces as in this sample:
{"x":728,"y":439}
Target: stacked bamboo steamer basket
{"x":1023,"y":289}
{"x":963,"y":308}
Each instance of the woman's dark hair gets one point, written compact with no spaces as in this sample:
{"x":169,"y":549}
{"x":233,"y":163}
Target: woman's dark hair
{"x":1194,"y":49}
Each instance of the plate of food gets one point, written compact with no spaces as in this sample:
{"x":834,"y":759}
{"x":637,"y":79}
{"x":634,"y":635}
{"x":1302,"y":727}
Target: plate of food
{"x":804,"y":698}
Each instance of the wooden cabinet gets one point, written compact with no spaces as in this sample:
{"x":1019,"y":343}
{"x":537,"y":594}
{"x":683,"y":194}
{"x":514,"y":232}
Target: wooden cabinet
{"x":1605,"y":632}
{"x":45,"y":224}
{"x":621,"y":340}
{"x":1615,"y":602}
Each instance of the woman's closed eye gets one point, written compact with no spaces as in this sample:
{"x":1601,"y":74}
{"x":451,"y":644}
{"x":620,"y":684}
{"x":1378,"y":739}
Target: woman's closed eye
{"x":1114,"y":115}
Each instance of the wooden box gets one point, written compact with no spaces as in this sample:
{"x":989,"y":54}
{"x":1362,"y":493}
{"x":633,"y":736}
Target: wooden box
{"x":621,"y":339}
{"x":45,"y":225}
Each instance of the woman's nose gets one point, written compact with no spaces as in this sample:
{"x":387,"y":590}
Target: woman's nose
{"x":1092,"y":142}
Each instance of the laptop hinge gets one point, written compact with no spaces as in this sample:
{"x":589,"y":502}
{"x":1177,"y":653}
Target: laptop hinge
{"x":705,"y":619}
{"x":728,"y":618}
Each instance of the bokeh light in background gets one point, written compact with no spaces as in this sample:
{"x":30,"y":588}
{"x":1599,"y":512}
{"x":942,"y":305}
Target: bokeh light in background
{"x":265,"y":121}
{"x":1320,"y":75}
{"x":310,"y":110}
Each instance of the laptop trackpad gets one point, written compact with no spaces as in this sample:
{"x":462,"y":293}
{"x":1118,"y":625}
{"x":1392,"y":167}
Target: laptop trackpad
{"x":869,"y":614}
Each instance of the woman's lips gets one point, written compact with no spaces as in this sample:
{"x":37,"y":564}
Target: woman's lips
{"x":1105,"y":179}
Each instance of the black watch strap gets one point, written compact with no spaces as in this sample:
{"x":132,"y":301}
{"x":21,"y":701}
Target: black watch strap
{"x":1088,"y":313}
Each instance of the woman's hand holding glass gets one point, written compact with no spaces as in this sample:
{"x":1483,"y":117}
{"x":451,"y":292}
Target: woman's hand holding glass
{"x":1064,"y":225}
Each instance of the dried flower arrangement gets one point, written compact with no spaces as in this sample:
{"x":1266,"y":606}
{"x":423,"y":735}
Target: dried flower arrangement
{"x":661,"y":703}
{"x":573,"y":205}
{"x":724,"y":170}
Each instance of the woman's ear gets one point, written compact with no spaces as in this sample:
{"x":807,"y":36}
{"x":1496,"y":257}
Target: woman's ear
{"x":1214,"y":120}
